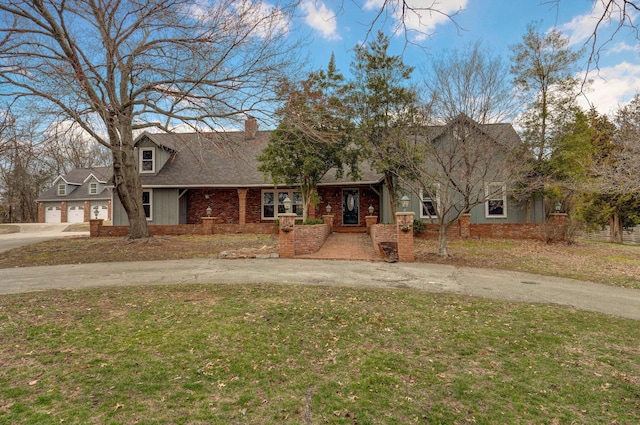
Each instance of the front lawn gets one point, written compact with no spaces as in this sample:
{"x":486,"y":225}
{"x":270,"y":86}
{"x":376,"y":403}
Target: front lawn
{"x":220,"y":354}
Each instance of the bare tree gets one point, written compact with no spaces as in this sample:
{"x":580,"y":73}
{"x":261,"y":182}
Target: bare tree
{"x":411,"y":16}
{"x":22,"y":177}
{"x":471,"y":82}
{"x":464,"y":164}
{"x":66,"y":146}
{"x":114,"y":67}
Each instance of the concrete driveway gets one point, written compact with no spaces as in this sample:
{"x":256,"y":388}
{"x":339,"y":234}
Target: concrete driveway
{"x":31,"y":233}
{"x":485,"y":283}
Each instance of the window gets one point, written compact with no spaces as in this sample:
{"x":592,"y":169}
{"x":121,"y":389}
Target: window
{"x":62,"y":189}
{"x":147,"y":203}
{"x":93,"y":188}
{"x":430,"y":205}
{"x":496,"y":205}
{"x":147,"y":164}
{"x":271,"y":203}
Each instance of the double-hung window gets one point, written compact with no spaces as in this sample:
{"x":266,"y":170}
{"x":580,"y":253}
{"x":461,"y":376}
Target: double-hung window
{"x":496,"y":204}
{"x":273,"y":203}
{"x":147,"y":162}
{"x":430,"y":200}
{"x":147,"y":203}
{"x":62,"y":189}
{"x":93,"y":188}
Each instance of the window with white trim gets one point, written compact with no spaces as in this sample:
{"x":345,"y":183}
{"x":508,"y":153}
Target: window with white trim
{"x":272,"y":203}
{"x":496,"y":204}
{"x":147,"y":162}
{"x":430,"y":205}
{"x":62,"y":189}
{"x":93,"y":188}
{"x":147,"y":203}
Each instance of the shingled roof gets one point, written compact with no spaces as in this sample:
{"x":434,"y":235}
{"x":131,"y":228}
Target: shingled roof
{"x":226,"y":159}
{"x":78,"y":177}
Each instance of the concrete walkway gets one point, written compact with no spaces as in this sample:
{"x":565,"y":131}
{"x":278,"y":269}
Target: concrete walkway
{"x":486,"y":283}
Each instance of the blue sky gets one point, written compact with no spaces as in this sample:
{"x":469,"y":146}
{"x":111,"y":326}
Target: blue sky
{"x":338,"y":25}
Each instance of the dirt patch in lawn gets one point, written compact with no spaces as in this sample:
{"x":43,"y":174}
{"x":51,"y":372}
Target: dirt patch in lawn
{"x":98,"y":250}
{"x":8,"y":228}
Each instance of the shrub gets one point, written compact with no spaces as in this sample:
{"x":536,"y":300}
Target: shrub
{"x":312,"y":221}
{"x":419,"y":227}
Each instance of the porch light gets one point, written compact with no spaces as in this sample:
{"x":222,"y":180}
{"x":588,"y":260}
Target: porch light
{"x":328,"y":208}
{"x":287,"y":204}
{"x":558,"y":206}
{"x":209,"y":211}
{"x":96,"y":212}
{"x":371,"y":209}
{"x":404,"y":202}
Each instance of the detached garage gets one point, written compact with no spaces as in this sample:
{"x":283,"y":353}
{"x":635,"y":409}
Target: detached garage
{"x":72,"y":197}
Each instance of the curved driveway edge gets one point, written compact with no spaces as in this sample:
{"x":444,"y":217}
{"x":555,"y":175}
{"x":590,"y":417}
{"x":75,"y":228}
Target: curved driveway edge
{"x":496,"y":284}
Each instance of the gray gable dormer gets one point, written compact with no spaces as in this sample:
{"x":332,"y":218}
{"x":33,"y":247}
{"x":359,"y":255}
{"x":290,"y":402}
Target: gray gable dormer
{"x":151,"y":155}
{"x":63,"y":187}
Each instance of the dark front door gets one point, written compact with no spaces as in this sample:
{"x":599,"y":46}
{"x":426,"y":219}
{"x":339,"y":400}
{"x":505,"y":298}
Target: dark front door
{"x":350,"y":204}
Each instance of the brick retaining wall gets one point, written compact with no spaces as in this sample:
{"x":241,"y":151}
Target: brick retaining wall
{"x":309,"y":239}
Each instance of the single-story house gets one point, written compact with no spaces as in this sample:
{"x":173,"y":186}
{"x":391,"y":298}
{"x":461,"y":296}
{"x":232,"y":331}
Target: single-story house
{"x":77,"y":196}
{"x":186,"y":175}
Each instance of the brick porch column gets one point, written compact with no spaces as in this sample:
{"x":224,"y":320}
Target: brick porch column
{"x":404,"y":230}
{"x":286,"y":235}
{"x":94,"y":227}
{"x":465,"y":225}
{"x":242,"y":206}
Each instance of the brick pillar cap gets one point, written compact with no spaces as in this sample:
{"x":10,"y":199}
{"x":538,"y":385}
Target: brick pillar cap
{"x":405,"y":213}
{"x":288,"y":215}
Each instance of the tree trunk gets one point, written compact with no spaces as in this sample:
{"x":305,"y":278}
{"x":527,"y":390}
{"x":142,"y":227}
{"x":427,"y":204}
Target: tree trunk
{"x":615,"y":228}
{"x":388,"y":179}
{"x":442,"y":240}
{"x":129,"y":188}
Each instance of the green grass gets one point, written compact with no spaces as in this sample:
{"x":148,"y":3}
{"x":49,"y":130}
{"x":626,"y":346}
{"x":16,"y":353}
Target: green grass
{"x":254,"y":354}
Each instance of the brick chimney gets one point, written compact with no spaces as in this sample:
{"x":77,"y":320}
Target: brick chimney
{"x":250,"y":127}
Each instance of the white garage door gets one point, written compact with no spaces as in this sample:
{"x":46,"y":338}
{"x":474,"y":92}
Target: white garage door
{"x":52,"y":215}
{"x":75,"y":214}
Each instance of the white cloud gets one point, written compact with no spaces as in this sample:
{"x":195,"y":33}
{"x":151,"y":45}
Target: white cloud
{"x":614,"y":86}
{"x":622,"y":47}
{"x":581,"y":27}
{"x":266,"y":17}
{"x":260,"y":16}
{"x":321,"y":18}
{"x":420,"y":16}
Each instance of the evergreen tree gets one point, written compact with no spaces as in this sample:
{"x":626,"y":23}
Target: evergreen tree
{"x":312,"y":137}
{"x":385,"y":110}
